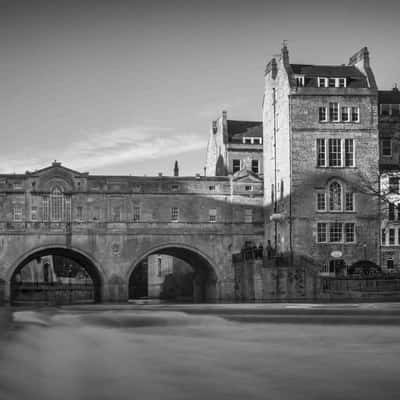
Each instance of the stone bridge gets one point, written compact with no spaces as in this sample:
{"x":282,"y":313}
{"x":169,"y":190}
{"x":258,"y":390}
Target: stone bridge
{"x":110,"y":224}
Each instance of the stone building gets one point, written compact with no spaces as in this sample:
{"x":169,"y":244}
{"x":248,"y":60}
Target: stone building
{"x":321,"y":152}
{"x":234,"y":146}
{"x":110,"y":224}
{"x":389,"y":131}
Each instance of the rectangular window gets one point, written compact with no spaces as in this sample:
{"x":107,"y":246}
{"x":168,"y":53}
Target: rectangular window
{"x":383,"y":237}
{"x":391,"y":236}
{"x":391,"y":212}
{"x":390,"y":263}
{"x":34,"y":213}
{"x":349,"y":152}
{"x":257,"y":141}
{"x":321,"y":201}
{"x":355,"y":114}
{"x":248,"y":188}
{"x":386,"y":147}
{"x":349,"y":232}
{"x":345,"y":114}
{"x":335,"y":153}
{"x":334,"y":112}
{"x":393,"y":184}
{"x":255,"y":166}
{"x":136,"y":214}
{"x":332,"y":82}
{"x":322,"y":82}
{"x":335,"y":232}
{"x":321,"y":232}
{"x":342,"y":82}
{"x":17,"y":214}
{"x":248,"y":215}
{"x":323,"y":114}
{"x":321,"y":156}
{"x":174,"y":214}
{"x":212,"y":215}
{"x":349,"y":201}
{"x":235,"y":165}
{"x":79,"y":213}
{"x":247,"y":140}
{"x":211,"y":188}
{"x":174,"y":187}
{"x":300,"y":80}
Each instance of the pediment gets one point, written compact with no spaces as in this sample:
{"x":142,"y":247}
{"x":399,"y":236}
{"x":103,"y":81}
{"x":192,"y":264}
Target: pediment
{"x":57,"y":175}
{"x":246,"y":176}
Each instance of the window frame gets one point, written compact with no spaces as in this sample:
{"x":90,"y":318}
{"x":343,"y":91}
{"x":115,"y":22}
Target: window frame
{"x":212,"y":215}
{"x":233,"y":165}
{"x":387,"y":140}
{"x":174,"y":214}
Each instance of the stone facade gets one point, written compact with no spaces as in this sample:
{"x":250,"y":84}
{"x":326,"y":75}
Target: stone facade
{"x":389,"y":131}
{"x":234,"y":146}
{"x":111,"y":223}
{"x":320,"y":142}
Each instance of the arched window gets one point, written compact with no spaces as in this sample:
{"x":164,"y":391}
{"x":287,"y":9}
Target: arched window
{"x":335,"y":197}
{"x":56,"y":204}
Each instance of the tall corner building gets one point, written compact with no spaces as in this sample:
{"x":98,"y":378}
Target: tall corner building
{"x":321,"y":161}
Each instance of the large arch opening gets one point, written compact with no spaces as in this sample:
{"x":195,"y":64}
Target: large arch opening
{"x":55,"y":276}
{"x":173,"y":273}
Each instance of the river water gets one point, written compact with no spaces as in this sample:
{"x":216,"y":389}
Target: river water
{"x":209,"y":352}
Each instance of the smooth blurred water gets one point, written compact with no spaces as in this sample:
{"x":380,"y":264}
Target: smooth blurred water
{"x":139,"y":353}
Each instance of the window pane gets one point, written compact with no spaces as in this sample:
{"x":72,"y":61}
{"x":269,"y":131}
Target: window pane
{"x":391,"y":236}
{"x":335,"y":197}
{"x":349,"y":152}
{"x":383,"y":237}
{"x":391,"y":212}
{"x":349,"y":232}
{"x":254,"y":166}
{"x":321,"y":232}
{"x":136,"y":214}
{"x":335,"y":153}
{"x":235,"y":165}
{"x":331,"y":82}
{"x":174,"y":213}
{"x":386,"y":147}
{"x":322,"y":114}
{"x":321,"y":152}
{"x":335,"y":232}
{"x":349,"y":201}
{"x":212,"y":215}
{"x":345,"y":114}
{"x":321,"y":206}
{"x":334,"y":111}
{"x":355,"y":114}
{"x":385,"y":108}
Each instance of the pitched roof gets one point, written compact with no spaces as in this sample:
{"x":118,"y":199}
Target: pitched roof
{"x":389,"y":96}
{"x":237,"y":130}
{"x":355,"y":78}
{"x":336,"y":71}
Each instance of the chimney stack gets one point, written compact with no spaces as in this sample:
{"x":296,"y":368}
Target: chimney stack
{"x":176,"y":169}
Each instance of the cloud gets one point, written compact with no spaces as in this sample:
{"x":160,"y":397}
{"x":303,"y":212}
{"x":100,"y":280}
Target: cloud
{"x":111,"y":148}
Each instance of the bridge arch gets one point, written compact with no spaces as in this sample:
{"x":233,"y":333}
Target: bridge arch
{"x":85,"y":260}
{"x":206,"y":273}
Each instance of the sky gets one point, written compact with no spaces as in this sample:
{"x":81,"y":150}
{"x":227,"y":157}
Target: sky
{"x":128,"y":87}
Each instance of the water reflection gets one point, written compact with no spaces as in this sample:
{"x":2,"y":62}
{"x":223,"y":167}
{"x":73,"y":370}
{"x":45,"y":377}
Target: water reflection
{"x":132,"y":353}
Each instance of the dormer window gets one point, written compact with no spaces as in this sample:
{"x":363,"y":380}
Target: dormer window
{"x":252,"y":140}
{"x":332,"y":82}
{"x":299,"y":80}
